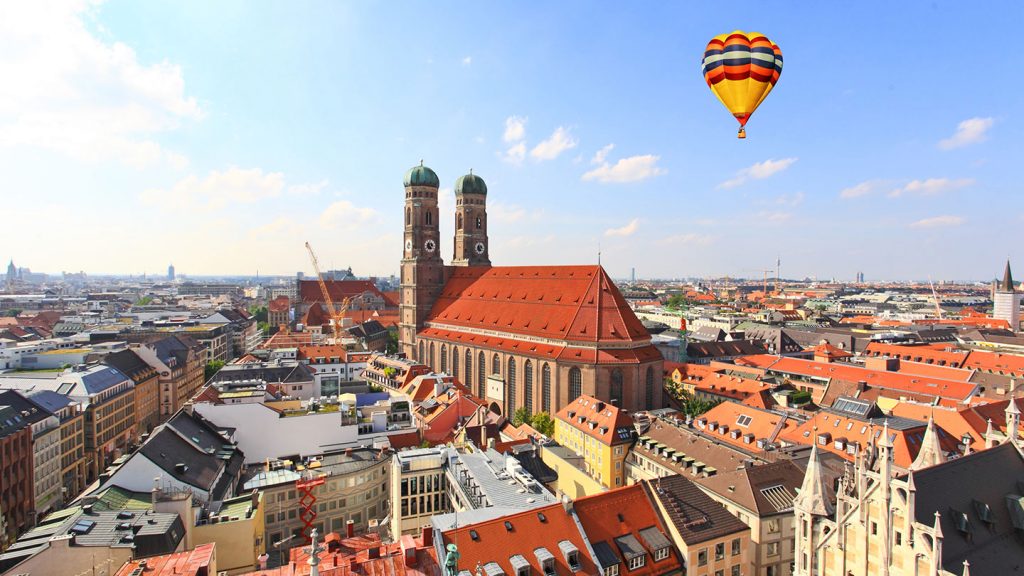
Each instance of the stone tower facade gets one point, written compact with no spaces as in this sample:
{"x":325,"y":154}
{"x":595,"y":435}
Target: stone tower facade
{"x":423,"y":271}
{"x":1006,"y":300}
{"x":471,"y":248}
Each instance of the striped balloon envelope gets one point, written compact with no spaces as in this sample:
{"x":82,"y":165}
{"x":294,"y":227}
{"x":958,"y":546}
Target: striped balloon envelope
{"x":741,"y":68}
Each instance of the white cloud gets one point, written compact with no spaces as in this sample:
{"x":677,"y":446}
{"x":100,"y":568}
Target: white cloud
{"x":938,"y":222}
{"x":467,"y":60}
{"x":970,"y":131}
{"x":792,"y":200}
{"x":931,"y":186}
{"x":600,"y":155}
{"x":507,"y":213}
{"x":861,"y":189}
{"x":627,"y":230}
{"x":773,"y":216}
{"x":219,"y":189}
{"x":689,"y":239}
{"x":307,"y":189}
{"x":758,"y":171}
{"x":515,"y":129}
{"x":344,"y":214}
{"x":515,"y":153}
{"x":66,"y":90}
{"x":559,"y":142}
{"x":632,"y":169}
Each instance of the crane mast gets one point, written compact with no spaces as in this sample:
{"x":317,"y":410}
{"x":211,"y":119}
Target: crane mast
{"x":336,"y":315}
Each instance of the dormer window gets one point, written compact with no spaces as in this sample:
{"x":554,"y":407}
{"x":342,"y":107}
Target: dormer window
{"x":660,"y":554}
{"x":637,"y":562}
{"x":571,"y":555}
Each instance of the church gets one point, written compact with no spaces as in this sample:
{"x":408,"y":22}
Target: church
{"x":533,"y":337}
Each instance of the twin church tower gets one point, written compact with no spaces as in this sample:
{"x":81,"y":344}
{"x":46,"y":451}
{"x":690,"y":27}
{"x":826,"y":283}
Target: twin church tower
{"x":423,"y":271}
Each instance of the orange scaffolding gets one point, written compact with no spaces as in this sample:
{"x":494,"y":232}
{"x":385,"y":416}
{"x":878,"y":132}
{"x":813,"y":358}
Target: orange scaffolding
{"x":307,"y":501}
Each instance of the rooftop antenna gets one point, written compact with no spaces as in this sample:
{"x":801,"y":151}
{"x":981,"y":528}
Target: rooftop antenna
{"x":598,"y":252}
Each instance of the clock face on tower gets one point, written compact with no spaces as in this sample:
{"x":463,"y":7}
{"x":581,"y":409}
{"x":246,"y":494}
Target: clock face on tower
{"x":408,"y":245}
{"x":479,"y":247}
{"x":429,"y":245}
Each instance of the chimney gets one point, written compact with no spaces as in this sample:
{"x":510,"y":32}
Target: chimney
{"x":427,"y":536}
{"x":255,"y":500}
{"x":350,"y":528}
{"x":373,"y":553}
{"x":490,"y":443}
{"x":262,"y":559}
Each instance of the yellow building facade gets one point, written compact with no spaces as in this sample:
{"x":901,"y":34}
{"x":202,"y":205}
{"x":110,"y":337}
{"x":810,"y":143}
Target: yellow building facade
{"x":601,"y":434}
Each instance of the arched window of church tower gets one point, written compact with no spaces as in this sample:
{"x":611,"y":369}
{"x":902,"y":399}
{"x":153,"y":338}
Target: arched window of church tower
{"x":458,"y":222}
{"x":615,"y":389}
{"x":429,"y":217}
{"x":510,"y":381}
{"x":408,"y":216}
{"x":479,"y":223}
{"x":528,"y":386}
{"x":444,"y":358}
{"x":432,"y":363}
{"x":575,"y":383}
{"x":495,"y":365}
{"x":469,"y":369}
{"x":545,"y":388}
{"x":455,"y":361}
{"x":649,"y":388}
{"x":481,"y":366}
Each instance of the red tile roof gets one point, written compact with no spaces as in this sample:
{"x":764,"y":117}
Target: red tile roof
{"x":729,"y":417}
{"x":551,"y":351}
{"x":624,"y":511}
{"x":995,"y":362}
{"x":195,"y":562}
{"x":309,"y":290}
{"x":919,"y":353}
{"x":599,"y":420}
{"x":576,"y":303}
{"x":352,"y":557}
{"x":279,"y":304}
{"x":496,"y":543}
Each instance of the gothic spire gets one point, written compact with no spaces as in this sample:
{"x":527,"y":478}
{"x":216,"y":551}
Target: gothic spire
{"x":813,"y":497}
{"x":931,"y":452}
{"x":1007,"y":284}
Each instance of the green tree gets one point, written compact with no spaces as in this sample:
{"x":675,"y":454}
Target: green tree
{"x":263,"y":327}
{"x":12,"y":312}
{"x":688,"y":403}
{"x":520,"y":415}
{"x":212,"y":367}
{"x":676,"y":301}
{"x":543,"y":423}
{"x":392,"y":345}
{"x":259,"y":313}
{"x":145,"y":300}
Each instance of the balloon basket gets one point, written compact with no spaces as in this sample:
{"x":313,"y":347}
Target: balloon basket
{"x":741,"y":134}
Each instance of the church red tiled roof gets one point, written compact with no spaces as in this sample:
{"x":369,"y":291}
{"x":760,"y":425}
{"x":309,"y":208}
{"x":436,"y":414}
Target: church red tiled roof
{"x":575,"y":303}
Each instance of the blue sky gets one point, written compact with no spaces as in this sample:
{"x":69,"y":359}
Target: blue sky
{"x":221,"y":136}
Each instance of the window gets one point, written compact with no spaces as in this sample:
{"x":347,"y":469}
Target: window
{"x":719,"y":572}
{"x":720,"y":551}
{"x":772,"y":571}
{"x":612,"y":570}
{"x":495,"y":364}
{"x":637,"y":562}
{"x":649,"y":388}
{"x":575,"y":383}
{"x":735,"y":571}
{"x":444,"y":358}
{"x":528,"y":386}
{"x":479,"y":223}
{"x":735,"y":546}
{"x":481,"y":376}
{"x":545,"y":388}
{"x":469,"y":370}
{"x":660,"y":554}
{"x":773,"y":548}
{"x":615,"y":387}
{"x":510,"y":382}
{"x":773,"y":526}
{"x":874,"y":528}
{"x":458,"y":224}
{"x":432,"y":360}
{"x":430,"y":218}
{"x":455,"y":362}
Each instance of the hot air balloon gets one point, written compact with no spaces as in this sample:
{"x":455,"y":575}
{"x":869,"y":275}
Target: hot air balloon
{"x":741,"y":68}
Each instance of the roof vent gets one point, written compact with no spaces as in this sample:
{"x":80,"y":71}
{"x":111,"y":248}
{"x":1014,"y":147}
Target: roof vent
{"x":508,"y":525}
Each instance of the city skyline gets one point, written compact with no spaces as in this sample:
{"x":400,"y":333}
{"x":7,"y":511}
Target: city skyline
{"x":222,"y":142}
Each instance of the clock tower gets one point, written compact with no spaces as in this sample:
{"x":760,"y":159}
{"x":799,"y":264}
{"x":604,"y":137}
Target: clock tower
{"x":422,"y":267}
{"x":471,"y":247}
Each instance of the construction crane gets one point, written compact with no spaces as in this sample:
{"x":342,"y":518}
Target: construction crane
{"x":935,"y":297}
{"x":336,"y":315}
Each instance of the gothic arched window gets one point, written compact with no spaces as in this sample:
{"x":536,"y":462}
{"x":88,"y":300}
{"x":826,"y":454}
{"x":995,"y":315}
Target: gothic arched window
{"x":444,"y":358}
{"x":649,"y":388}
{"x":495,"y":365}
{"x":420,"y":357}
{"x":575,"y":383}
{"x":432,"y":362}
{"x":528,"y":386}
{"x":510,"y":381}
{"x":408,"y":216}
{"x":458,"y":222}
{"x":455,"y":361}
{"x":615,"y":390}
{"x":479,"y":223}
{"x":430,"y":217}
{"x":545,"y":388}
{"x":469,"y":369}
{"x":481,"y":367}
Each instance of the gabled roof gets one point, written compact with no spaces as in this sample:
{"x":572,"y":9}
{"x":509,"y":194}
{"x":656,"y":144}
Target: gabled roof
{"x":576,"y":303}
{"x":765,"y":490}
{"x":128,"y":362}
{"x":604,"y":422}
{"x":696,"y":516}
{"x":209,"y":458}
{"x":279,"y":304}
{"x":541,"y":528}
{"x":618,"y":518}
